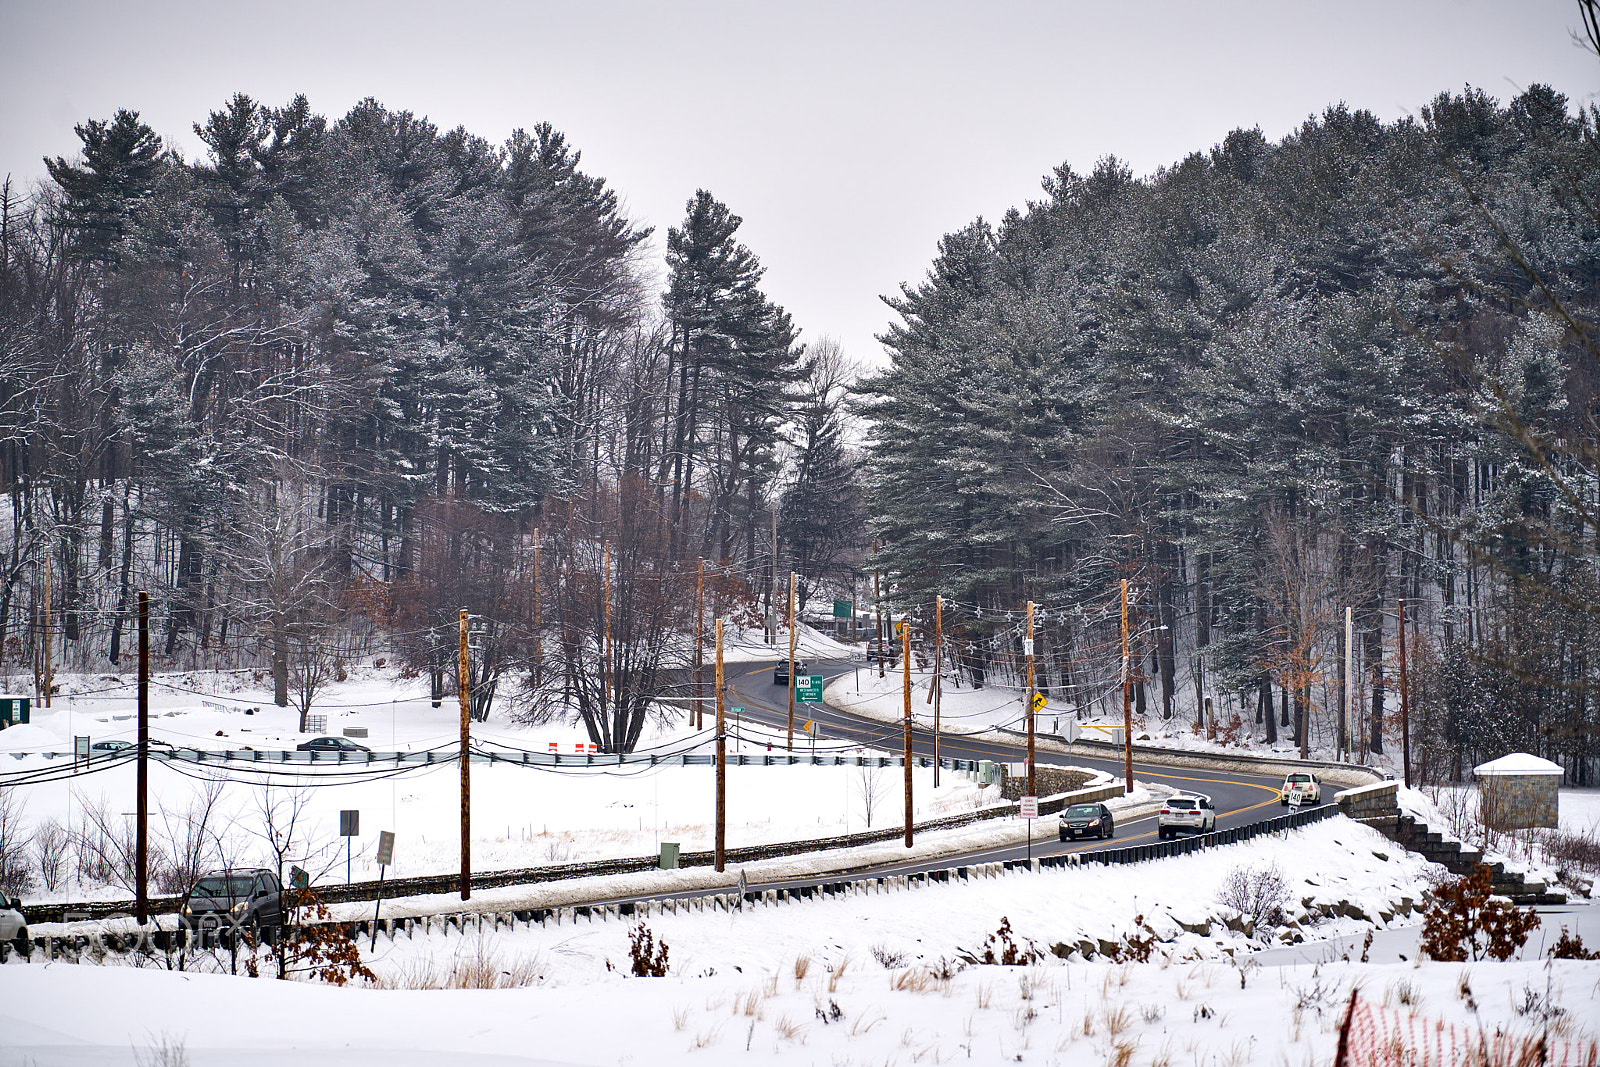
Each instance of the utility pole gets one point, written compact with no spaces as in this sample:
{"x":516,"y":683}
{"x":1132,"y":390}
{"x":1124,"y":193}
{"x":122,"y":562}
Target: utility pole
{"x":791,"y":661}
{"x":1127,"y":695}
{"x":905,"y":657}
{"x":141,"y":824}
{"x":1349,"y":678}
{"x":772,"y":590}
{"x":605,"y":653}
{"x":48,"y":650}
{"x":1027,"y":648}
{"x":464,"y":688}
{"x":722,"y":763}
{"x":699,"y":645}
{"x":1405,"y":706}
{"x":538,"y":630}
{"x":936,"y":691}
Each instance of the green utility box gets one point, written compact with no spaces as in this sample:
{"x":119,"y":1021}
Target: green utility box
{"x":988,"y":773}
{"x":669,"y":855}
{"x":13,"y":710}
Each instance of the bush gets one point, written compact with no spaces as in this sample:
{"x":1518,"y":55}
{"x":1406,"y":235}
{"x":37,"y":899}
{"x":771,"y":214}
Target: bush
{"x":1258,"y":894}
{"x":649,"y":959}
{"x":1465,"y":922}
{"x":1011,"y":954}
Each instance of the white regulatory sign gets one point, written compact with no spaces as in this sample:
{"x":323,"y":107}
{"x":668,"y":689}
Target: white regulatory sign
{"x":1030,"y":807}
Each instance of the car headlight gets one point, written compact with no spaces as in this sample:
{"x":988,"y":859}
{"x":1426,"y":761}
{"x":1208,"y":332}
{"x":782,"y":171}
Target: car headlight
{"x":239,"y":908}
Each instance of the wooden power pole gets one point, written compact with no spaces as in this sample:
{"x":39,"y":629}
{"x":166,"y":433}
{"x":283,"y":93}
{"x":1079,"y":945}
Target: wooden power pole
{"x":48,"y":650}
{"x":936,"y":690}
{"x":464,"y":688}
{"x":1127,"y":695}
{"x":141,"y":825}
{"x":791,"y":661}
{"x":1027,"y":649}
{"x":905,"y":653}
{"x":722,"y":763}
{"x":1405,"y":705}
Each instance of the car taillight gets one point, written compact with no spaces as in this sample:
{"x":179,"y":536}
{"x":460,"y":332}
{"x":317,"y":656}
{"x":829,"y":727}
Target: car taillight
{"x":1166,"y":811}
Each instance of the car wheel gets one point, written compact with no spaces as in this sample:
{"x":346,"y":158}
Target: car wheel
{"x":1063,"y":836}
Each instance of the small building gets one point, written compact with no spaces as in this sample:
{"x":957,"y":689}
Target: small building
{"x":1518,"y":791}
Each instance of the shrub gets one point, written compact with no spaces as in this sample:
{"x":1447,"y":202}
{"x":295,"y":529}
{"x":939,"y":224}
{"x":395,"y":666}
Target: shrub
{"x":1568,"y":947}
{"x":1011,"y":954}
{"x":1258,"y":894}
{"x":649,"y":959}
{"x":1465,"y":922}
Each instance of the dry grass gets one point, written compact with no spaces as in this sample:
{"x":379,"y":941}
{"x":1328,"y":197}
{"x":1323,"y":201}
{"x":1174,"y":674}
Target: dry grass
{"x":1117,"y":1020}
{"x":789,"y":1030}
{"x":680,"y":1018}
{"x":706,"y":1038}
{"x":480,"y":967}
{"x":982,"y":994}
{"x":1122,"y":1053}
{"x":863,"y":1024}
{"x":838,"y":973}
{"x":802,"y":965}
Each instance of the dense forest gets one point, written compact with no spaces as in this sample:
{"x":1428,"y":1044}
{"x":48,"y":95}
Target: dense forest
{"x":334,"y":381}
{"x":1268,"y":384}
{"x":331,"y":383}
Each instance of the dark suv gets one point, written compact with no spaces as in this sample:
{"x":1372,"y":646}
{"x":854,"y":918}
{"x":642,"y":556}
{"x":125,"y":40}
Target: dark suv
{"x":249,"y":896}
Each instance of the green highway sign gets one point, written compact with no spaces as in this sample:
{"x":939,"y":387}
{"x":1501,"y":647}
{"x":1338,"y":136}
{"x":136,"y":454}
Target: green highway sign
{"x":842,"y":609}
{"x":808,"y":688}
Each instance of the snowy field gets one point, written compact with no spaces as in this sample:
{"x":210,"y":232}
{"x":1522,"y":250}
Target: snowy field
{"x":522,"y":816}
{"x":876,"y":979}
{"x":869,"y":979}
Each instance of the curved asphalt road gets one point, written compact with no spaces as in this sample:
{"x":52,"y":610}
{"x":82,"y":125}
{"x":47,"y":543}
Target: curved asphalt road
{"x":1239,"y":799}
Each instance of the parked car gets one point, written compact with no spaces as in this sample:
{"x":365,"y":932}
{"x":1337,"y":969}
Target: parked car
{"x":1299,"y":788}
{"x":780,"y":673}
{"x":249,"y":896}
{"x":13,"y":929}
{"x":331,"y":744}
{"x":1186,"y":811}
{"x":1081,"y":820}
{"x":108,"y":748}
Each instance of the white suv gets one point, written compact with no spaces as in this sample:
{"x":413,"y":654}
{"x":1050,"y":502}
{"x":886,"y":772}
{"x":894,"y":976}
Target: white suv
{"x":1300,"y":788}
{"x":13,"y":929}
{"x":1186,"y":811}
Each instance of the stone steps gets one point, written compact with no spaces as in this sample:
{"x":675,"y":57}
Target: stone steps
{"x":1460,"y":859}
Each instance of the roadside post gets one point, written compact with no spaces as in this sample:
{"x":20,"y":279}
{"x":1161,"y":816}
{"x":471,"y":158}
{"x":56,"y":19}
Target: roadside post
{"x":1030,"y":812}
{"x":385,"y":857}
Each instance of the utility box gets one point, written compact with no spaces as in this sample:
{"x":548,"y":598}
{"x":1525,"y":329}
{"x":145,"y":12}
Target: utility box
{"x":13,"y":709}
{"x":988,"y":773}
{"x":669,"y":855}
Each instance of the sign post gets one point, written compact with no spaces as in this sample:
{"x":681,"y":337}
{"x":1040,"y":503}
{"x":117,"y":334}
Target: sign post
{"x":1030,"y":811}
{"x":349,"y":827}
{"x":385,"y":857}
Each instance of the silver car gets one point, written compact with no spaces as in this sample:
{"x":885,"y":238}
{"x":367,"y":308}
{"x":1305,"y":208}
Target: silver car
{"x":13,"y":929}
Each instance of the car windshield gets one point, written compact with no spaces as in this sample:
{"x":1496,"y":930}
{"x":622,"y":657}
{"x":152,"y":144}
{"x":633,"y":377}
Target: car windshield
{"x":1300,"y":779}
{"x":224,"y":886}
{"x":1083,"y":811}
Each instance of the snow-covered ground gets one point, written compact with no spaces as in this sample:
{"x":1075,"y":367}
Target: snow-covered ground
{"x":876,"y":979}
{"x":864,"y":979}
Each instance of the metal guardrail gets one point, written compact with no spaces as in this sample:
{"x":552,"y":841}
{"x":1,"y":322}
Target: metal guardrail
{"x":443,"y":756}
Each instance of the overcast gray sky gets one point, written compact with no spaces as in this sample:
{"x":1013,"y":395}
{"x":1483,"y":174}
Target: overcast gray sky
{"x":849,"y":135}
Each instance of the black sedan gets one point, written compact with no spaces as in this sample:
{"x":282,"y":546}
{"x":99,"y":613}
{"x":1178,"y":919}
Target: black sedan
{"x":1081,"y":820}
{"x":331,"y":744}
{"x":780,"y":673}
